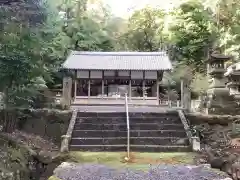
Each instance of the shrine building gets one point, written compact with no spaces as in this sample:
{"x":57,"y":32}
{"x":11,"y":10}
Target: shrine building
{"x":105,"y":77}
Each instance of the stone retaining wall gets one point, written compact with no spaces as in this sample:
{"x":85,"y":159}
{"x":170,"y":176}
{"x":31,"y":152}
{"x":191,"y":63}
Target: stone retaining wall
{"x":47,"y":123}
{"x":199,"y":118}
{"x":220,"y":142}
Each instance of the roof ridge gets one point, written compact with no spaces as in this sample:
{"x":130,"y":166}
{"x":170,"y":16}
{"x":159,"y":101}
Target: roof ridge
{"x":119,"y":53}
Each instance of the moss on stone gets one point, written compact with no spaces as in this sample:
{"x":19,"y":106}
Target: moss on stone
{"x":13,"y":160}
{"x":53,"y":178}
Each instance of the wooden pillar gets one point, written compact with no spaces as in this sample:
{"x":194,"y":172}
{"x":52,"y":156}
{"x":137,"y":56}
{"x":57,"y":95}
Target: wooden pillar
{"x":89,"y":85}
{"x":130,"y":89}
{"x":158,"y":93}
{"x":102,"y":84}
{"x":143,"y":89}
{"x":143,"y":86}
{"x":102,"y":88}
{"x":75,"y":88}
{"x":157,"y":84}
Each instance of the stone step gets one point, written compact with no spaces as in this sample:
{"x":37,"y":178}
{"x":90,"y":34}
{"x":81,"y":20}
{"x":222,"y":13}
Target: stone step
{"x":110,"y":120}
{"x":133,"y":133}
{"x":123,"y":114}
{"x":133,"y":141}
{"x":133,"y":148}
{"x":123,"y":126}
{"x":94,"y":114}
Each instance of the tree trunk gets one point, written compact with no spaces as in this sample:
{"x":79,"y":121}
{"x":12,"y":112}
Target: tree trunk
{"x":5,"y":109}
{"x":9,"y":121}
{"x":9,"y":115}
{"x":12,"y":120}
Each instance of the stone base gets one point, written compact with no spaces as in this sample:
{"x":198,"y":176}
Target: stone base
{"x":65,"y":144}
{"x":222,"y":104}
{"x":196,"y":144}
{"x":221,"y":91}
{"x":224,"y":110}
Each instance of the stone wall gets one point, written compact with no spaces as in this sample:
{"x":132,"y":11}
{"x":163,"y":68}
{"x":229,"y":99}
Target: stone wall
{"x":49,"y":124}
{"x":199,"y":118}
{"x":220,"y":142}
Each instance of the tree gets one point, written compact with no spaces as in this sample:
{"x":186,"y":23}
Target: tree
{"x":144,"y":32}
{"x":192,"y":34}
{"x":24,"y":58}
{"x":85,"y":32}
{"x":226,"y":14}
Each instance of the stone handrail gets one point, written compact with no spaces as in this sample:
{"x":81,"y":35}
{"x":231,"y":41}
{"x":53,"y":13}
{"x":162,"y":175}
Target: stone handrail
{"x":194,"y":141}
{"x":185,"y":124}
{"x":66,"y":138}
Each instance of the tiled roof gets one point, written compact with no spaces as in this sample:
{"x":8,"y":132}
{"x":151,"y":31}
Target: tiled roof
{"x":118,"y":61}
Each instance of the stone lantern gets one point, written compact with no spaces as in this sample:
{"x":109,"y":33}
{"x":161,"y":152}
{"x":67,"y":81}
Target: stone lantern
{"x":67,"y":88}
{"x":233,"y":77}
{"x":219,"y":100}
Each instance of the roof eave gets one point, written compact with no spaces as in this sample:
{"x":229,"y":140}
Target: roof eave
{"x":96,"y":69}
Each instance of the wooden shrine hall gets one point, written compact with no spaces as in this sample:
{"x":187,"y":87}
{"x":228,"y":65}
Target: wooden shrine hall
{"x":105,"y":77}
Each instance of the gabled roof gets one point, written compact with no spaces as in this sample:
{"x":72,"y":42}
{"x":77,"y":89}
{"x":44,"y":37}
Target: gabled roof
{"x":118,"y":61}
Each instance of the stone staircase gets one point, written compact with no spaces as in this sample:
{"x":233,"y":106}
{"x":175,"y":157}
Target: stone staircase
{"x":149,"y":132}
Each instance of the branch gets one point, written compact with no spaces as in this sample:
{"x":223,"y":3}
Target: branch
{"x":149,"y":43}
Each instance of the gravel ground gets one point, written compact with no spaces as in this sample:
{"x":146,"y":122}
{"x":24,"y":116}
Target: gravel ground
{"x":160,"y":172}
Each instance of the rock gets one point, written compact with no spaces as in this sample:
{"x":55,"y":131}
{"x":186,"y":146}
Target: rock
{"x":218,"y":153}
{"x":214,"y":145}
{"x":64,"y":165}
{"x":53,"y":178}
{"x":181,"y":141}
{"x":32,"y":152}
{"x":57,"y":159}
{"x":60,"y":157}
{"x":227,"y":167}
{"x":206,"y":126}
{"x":236,"y":171}
{"x":217,"y":127}
{"x":232,"y":157}
{"x":45,"y":157}
{"x":206,"y":166}
{"x":202,"y":161}
{"x":217,"y":163}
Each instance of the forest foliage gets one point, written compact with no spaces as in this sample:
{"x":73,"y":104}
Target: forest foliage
{"x":34,"y":43}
